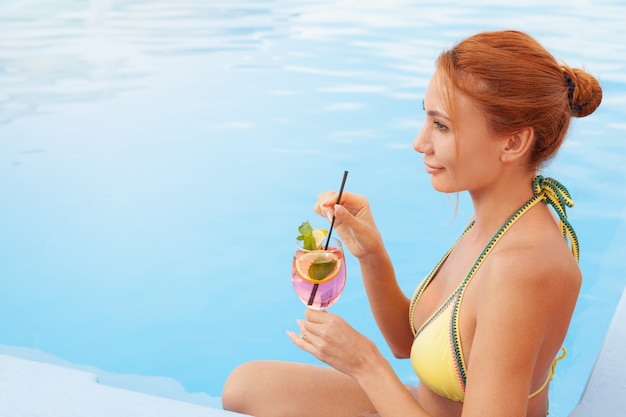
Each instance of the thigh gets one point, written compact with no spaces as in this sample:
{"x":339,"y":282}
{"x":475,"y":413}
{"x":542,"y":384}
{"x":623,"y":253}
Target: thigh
{"x":268,"y":388}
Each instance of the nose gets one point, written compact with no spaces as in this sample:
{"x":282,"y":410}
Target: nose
{"x":422,"y":143}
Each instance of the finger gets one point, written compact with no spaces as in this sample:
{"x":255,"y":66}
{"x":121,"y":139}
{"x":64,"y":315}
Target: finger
{"x":330,"y":198}
{"x":310,"y":338}
{"x":344,"y":216}
{"x":324,"y":205}
{"x":315,"y":316}
{"x":319,"y":332}
{"x":325,"y":200}
{"x":300,"y":324}
{"x":327,"y":213}
{"x":306,"y":332}
{"x":299,"y":341}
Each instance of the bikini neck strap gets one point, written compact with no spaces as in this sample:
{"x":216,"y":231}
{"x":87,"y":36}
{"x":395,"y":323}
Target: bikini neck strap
{"x":552,"y":192}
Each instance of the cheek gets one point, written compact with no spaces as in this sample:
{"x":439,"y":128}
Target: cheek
{"x":476,"y":164}
{"x":446,"y":152}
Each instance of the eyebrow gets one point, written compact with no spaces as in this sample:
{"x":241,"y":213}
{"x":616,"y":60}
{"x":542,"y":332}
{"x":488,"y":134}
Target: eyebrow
{"x":434,"y":113}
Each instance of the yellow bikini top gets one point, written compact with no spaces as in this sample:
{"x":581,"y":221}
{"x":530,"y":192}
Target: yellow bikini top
{"x":436,"y":354}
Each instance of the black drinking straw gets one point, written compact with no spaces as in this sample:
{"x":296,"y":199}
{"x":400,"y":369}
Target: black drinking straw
{"x":332,"y":223}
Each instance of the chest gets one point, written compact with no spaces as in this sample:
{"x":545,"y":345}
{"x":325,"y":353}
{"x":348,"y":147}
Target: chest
{"x":445,"y":284}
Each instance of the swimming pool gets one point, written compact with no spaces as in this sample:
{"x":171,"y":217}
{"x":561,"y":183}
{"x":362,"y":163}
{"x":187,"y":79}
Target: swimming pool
{"x":156,"y":158}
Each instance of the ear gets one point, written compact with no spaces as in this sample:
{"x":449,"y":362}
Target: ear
{"x":517,"y":145}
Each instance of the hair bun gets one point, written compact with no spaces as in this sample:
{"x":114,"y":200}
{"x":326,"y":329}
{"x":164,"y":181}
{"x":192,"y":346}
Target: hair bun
{"x":584,"y":93}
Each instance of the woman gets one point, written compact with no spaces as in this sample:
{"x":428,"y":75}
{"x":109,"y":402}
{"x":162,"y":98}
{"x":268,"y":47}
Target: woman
{"x":484,"y":329}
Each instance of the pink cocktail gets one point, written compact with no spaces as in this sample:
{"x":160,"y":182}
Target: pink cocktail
{"x":319,"y":276}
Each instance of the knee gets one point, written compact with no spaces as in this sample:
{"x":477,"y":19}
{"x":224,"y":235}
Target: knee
{"x":236,"y":387}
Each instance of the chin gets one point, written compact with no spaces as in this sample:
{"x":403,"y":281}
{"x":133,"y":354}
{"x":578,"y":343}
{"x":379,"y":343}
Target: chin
{"x":444,"y":184}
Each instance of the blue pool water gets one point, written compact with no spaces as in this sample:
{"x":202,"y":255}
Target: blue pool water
{"x":156,"y":158}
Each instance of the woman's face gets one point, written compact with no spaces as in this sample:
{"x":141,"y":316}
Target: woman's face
{"x":466,"y":162}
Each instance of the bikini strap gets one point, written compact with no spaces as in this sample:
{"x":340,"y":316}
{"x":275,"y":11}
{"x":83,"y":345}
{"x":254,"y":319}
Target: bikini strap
{"x":551,"y":374}
{"x":552,"y":192}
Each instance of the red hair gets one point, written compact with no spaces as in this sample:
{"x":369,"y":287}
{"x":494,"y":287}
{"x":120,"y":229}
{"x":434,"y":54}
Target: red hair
{"x":518,"y":83}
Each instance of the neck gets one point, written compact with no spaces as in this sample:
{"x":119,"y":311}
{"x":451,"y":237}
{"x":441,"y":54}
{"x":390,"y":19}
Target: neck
{"x":495,"y":202}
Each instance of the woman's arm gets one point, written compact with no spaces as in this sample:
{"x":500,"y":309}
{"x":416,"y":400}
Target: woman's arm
{"x":388,"y":303}
{"x":522,"y":306}
{"x":355,"y":225}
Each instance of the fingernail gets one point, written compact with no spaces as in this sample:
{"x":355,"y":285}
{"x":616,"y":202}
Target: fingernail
{"x":329,"y":216}
{"x":339,"y":210}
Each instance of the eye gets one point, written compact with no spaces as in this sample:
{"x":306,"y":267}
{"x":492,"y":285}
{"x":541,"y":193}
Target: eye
{"x":440,"y":125}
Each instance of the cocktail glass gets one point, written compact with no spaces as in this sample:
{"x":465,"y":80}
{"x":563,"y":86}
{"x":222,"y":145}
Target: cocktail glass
{"x":319,"y":276}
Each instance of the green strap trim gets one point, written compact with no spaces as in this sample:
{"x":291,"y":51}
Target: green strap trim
{"x":554,"y":193}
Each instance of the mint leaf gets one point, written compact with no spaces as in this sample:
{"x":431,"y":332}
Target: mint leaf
{"x":305,"y":229}
{"x":306,"y":235}
{"x":321,"y":269}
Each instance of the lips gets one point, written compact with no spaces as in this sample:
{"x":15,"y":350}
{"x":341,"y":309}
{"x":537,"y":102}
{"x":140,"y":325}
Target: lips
{"x":433,"y":169}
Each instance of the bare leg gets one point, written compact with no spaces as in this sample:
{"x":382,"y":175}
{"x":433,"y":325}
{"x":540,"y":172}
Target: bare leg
{"x":277,"y":389}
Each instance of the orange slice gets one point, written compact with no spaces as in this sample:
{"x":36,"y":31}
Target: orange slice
{"x":317,"y":267}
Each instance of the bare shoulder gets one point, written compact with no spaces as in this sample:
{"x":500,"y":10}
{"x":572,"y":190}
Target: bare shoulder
{"x":538,"y":269}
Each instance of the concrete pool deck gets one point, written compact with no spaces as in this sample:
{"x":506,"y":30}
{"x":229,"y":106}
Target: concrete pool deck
{"x":31,"y":388}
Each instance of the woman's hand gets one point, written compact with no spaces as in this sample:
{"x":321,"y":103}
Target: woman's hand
{"x":333,"y":341}
{"x":353,"y":222}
